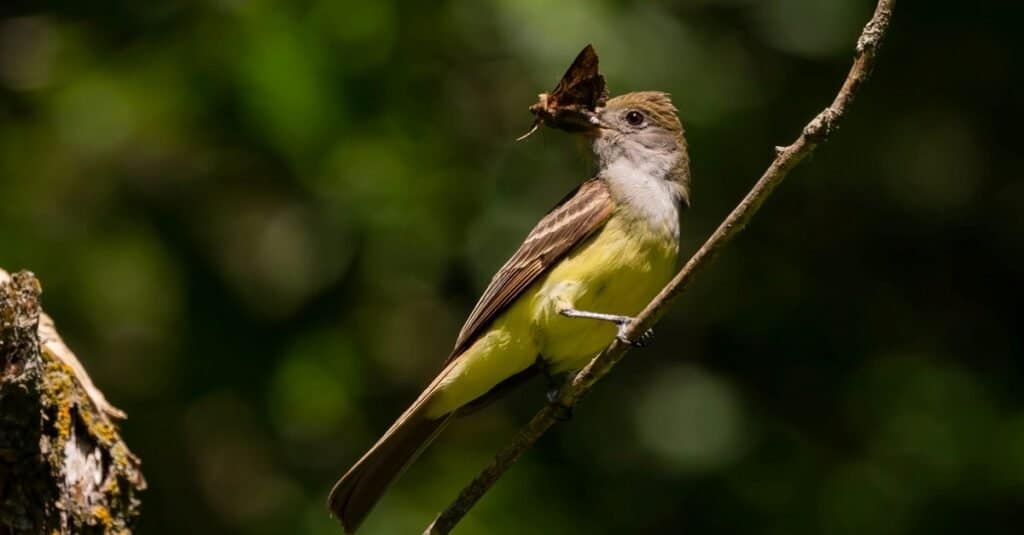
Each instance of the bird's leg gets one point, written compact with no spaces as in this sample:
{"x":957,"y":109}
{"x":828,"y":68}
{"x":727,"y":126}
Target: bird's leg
{"x":545,"y":368}
{"x":563,"y":412}
{"x":621,"y":321}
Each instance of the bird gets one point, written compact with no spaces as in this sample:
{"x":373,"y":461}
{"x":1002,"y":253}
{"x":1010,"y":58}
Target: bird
{"x":575,"y":283}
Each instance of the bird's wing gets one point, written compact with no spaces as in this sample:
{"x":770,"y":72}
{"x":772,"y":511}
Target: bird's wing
{"x":568,"y":224}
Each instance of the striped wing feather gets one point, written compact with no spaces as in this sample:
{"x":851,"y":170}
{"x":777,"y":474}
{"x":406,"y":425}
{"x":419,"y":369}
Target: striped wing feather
{"x":569,"y":223}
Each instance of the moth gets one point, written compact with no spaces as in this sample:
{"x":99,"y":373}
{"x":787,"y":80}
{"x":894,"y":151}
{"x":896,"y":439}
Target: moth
{"x":580,"y":92}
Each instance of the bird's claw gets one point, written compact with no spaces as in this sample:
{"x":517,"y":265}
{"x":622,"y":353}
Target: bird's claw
{"x":645,"y":338}
{"x":563,"y":412}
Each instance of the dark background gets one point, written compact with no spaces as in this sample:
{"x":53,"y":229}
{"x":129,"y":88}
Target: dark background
{"x":260,"y":225}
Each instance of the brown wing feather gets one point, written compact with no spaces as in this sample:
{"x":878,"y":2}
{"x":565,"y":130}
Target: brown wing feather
{"x":568,"y":224}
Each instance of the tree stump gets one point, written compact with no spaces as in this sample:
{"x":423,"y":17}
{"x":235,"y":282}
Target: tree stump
{"x":63,"y":466}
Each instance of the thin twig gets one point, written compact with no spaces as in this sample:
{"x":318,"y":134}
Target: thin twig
{"x":814,"y":134}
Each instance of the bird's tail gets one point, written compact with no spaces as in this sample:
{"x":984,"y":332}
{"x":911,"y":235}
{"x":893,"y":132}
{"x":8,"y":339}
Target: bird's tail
{"x":355,"y":494}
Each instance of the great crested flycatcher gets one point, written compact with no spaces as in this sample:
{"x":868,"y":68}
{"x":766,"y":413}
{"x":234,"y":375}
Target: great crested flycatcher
{"x":590,"y":264}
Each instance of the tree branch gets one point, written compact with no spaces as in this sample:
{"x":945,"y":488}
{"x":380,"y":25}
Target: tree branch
{"x":814,"y":134}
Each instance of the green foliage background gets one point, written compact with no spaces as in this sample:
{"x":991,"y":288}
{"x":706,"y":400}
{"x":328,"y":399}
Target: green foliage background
{"x":260,"y":225}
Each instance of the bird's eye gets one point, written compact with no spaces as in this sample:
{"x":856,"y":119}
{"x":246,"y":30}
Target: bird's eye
{"x":635,"y":118}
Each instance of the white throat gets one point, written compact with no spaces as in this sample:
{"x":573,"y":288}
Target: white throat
{"x":640,"y":188}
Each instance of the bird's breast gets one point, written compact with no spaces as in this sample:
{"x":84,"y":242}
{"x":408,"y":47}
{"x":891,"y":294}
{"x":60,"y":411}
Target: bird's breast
{"x":617,"y":271}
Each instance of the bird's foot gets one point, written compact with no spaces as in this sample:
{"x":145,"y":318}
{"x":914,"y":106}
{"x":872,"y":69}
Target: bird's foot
{"x":563,"y":412}
{"x":645,"y":338}
{"x":621,"y":321}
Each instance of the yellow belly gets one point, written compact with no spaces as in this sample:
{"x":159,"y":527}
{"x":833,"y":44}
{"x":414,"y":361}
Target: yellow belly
{"x":617,"y":271}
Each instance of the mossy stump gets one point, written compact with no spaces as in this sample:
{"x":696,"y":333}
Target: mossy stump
{"x":63,"y":466}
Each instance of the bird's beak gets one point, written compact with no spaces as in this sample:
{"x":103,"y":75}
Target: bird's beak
{"x":577,"y":121}
{"x":596,"y":126}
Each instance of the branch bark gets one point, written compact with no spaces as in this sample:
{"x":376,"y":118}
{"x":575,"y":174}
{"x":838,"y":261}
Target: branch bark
{"x":814,"y":134}
{"x":63,"y":467}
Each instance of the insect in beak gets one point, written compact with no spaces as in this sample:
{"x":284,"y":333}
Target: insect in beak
{"x":572,"y":106}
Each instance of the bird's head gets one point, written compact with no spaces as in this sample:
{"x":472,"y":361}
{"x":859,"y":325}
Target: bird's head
{"x":642,"y":127}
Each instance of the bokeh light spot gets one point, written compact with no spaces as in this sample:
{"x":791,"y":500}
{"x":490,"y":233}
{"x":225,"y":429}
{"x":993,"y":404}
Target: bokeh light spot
{"x":690,"y":419}
{"x":315,"y":387}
